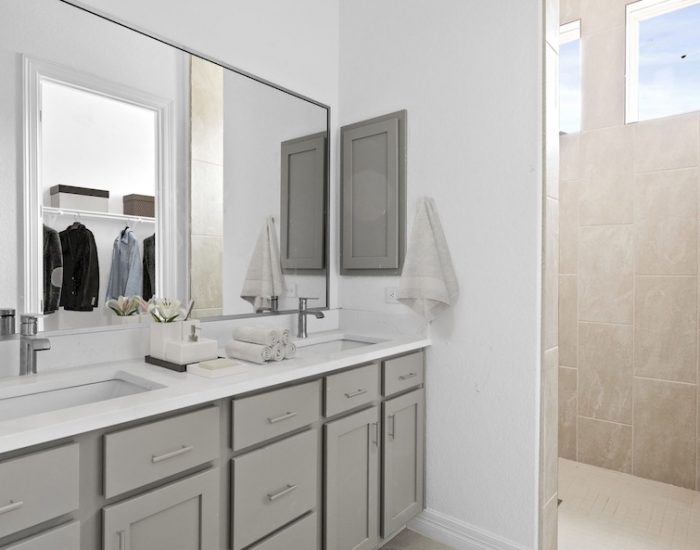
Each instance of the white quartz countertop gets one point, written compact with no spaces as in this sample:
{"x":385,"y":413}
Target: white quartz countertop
{"x":180,"y":390}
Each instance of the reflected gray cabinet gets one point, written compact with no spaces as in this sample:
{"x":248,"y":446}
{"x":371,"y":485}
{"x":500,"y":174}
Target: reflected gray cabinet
{"x":303,"y":203}
{"x":181,"y":516}
{"x":402,"y":466}
{"x":373,"y":180}
{"x":352,"y":482}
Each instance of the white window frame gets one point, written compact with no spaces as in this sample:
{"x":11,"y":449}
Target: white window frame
{"x":636,"y":13}
{"x":570,"y":32}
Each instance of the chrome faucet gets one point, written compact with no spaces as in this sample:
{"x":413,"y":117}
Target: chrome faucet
{"x":303,"y":313}
{"x":29,"y":345}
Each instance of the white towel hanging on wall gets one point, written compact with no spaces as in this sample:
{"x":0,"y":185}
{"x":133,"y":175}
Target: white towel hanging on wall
{"x":264,"y":277}
{"x":428,"y":282}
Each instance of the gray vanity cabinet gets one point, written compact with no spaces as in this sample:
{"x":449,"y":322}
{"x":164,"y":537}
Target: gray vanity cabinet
{"x":180,"y":516}
{"x":352,"y":481}
{"x":373,"y":172}
{"x":402,"y":466}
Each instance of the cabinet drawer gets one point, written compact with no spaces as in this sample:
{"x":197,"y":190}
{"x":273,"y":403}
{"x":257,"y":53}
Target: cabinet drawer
{"x":350,"y":389}
{"x":38,"y":487}
{"x":274,"y":485}
{"x":301,"y":535}
{"x":403,"y":373}
{"x":66,"y":537}
{"x":137,"y":456}
{"x":268,"y":415}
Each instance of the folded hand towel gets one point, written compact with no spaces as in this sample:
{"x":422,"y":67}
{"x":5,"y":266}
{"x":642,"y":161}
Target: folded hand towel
{"x":255,"y":353}
{"x":284,"y":336}
{"x":290,"y":350}
{"x":264,"y":277}
{"x":257,"y":335}
{"x":428,"y":282}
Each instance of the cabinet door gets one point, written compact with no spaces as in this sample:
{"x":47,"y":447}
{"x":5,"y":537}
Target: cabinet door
{"x":352,"y":482}
{"x":181,"y":516}
{"x":302,"y":231}
{"x":402,"y":468}
{"x":373,"y":195}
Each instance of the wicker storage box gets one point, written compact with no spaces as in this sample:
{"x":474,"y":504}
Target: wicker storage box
{"x":140,"y":205}
{"x":79,"y":198}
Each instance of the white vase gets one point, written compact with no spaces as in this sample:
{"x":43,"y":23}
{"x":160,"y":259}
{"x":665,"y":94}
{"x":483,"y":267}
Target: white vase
{"x":161,"y":334}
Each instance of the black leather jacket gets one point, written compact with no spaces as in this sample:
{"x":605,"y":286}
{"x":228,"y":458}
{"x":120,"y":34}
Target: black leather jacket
{"x":53,"y":270}
{"x":81,"y":272}
{"x":149,"y":267}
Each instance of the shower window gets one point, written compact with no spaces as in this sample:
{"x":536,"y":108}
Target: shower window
{"x":663,"y":58}
{"x":570,"y":77}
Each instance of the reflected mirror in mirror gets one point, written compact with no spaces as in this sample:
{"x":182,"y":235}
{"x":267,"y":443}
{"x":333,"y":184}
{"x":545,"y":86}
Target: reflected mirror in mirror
{"x":130,"y":166}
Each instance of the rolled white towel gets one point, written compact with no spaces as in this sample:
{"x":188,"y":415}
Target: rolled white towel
{"x":257,"y":335}
{"x":255,"y":353}
{"x":290,"y":350}
{"x":278,"y":352}
{"x":284,"y":336}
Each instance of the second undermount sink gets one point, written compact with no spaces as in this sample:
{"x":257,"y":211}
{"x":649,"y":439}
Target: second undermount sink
{"x":334,"y":343}
{"x":30,"y":399}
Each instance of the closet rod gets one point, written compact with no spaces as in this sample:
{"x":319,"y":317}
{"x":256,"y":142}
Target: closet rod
{"x":95,"y":215}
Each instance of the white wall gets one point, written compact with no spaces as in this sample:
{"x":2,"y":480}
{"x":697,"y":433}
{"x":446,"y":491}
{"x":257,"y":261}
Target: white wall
{"x":469,"y":75}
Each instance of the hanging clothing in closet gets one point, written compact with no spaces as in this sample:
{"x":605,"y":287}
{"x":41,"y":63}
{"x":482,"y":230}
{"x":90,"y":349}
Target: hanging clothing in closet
{"x":126,"y":276}
{"x":81,"y":271}
{"x":53,"y":270}
{"x":149,"y":267}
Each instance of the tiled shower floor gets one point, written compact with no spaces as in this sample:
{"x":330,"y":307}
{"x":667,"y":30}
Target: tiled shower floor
{"x":606,"y":510}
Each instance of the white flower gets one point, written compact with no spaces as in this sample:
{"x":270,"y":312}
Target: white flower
{"x":164,"y":310}
{"x":124,"y":306}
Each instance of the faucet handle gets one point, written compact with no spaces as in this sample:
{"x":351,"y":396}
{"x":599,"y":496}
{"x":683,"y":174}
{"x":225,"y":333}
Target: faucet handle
{"x":303,"y":300}
{"x":28,"y":325}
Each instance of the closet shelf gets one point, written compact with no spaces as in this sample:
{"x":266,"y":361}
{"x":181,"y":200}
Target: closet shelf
{"x":95,"y":215}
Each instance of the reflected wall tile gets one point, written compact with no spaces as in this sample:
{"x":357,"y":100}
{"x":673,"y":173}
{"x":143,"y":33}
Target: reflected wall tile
{"x":206,"y":270}
{"x":550,"y":423}
{"x":606,"y":373}
{"x":603,"y":15}
{"x":570,"y":157}
{"x":550,"y":524}
{"x":605,"y":278}
{"x":207,"y":111}
{"x":552,"y":120}
{"x":606,"y":192}
{"x":568,"y":226}
{"x":567,"y":412}
{"x":665,"y":424}
{"x":207,"y":196}
{"x":569,"y":10}
{"x":605,"y":444}
{"x":666,"y":143}
{"x":666,"y":222}
{"x":551,"y":272}
{"x":666,"y":328}
{"x":568,"y":321}
{"x":603,"y":77}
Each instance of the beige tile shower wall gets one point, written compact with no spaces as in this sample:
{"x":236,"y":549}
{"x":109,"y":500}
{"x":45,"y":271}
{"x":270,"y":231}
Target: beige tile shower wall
{"x":628,"y":272}
{"x":207,"y":185}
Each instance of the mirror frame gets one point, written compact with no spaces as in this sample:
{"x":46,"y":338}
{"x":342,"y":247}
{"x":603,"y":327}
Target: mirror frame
{"x":327,"y":206}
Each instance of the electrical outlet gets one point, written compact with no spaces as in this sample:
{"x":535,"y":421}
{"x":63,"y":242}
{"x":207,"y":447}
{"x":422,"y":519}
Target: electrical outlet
{"x":391,"y":295}
{"x":292,"y":290}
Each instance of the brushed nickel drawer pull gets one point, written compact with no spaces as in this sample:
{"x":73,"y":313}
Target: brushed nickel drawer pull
{"x":375,"y":434}
{"x":122,"y":540}
{"x":272,"y":497}
{"x":172,"y":454}
{"x":285,"y":416}
{"x":392,"y":430}
{"x":11,"y":507}
{"x":355,"y":393}
{"x":407,"y":376}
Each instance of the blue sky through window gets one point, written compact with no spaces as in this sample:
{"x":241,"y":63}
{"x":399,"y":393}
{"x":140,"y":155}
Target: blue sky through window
{"x":570,"y":87}
{"x":669,"y":63}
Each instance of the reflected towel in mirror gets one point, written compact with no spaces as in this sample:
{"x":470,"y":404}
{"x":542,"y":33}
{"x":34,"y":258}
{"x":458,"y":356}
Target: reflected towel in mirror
{"x":264,"y":277}
{"x":428,"y":282}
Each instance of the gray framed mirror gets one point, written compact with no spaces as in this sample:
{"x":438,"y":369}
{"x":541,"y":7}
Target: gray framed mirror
{"x":131,"y":165}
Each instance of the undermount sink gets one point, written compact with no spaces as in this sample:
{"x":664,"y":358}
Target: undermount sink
{"x":29,"y":400}
{"x":334,"y":343}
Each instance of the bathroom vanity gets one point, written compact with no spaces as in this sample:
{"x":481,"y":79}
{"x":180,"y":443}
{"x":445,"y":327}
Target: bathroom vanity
{"x":324,"y":452}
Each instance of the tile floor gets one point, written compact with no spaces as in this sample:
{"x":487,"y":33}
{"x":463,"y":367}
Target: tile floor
{"x":410,"y":540}
{"x":606,"y":510}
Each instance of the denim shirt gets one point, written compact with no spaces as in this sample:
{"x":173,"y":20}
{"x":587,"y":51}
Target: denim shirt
{"x":126,"y":274}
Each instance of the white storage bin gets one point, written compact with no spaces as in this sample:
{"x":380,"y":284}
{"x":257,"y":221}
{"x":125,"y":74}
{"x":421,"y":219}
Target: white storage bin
{"x":79,"y":198}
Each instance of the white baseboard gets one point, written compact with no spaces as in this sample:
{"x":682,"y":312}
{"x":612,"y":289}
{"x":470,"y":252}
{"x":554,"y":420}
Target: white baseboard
{"x":459,"y":534}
